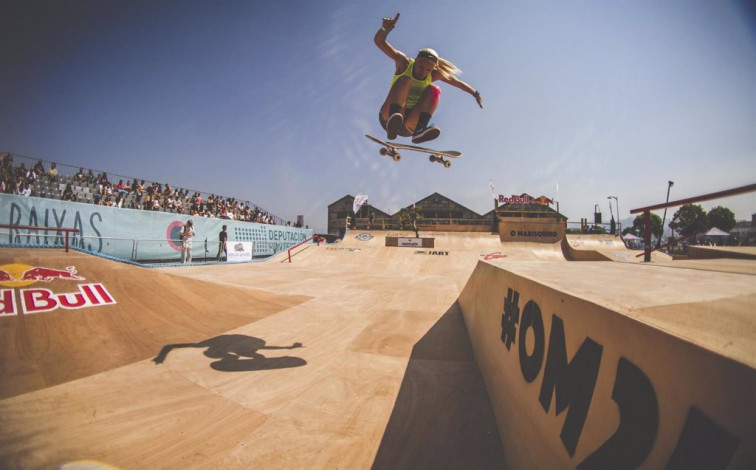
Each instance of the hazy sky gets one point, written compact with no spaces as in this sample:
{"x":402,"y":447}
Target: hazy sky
{"x":269,"y":101}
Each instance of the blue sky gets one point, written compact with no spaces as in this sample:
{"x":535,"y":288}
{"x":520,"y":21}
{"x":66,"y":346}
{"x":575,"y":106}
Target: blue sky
{"x":269,"y":101}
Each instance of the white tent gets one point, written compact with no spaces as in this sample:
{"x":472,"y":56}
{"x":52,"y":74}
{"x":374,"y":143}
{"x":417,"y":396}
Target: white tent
{"x":630,"y":237}
{"x":715,"y":232}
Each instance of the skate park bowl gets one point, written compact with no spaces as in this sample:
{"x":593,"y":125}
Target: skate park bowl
{"x":478,"y":352}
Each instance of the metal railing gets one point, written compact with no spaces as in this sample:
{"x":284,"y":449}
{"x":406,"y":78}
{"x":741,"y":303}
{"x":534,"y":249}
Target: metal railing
{"x":315,"y":237}
{"x":66,"y":231}
{"x":646,"y":211}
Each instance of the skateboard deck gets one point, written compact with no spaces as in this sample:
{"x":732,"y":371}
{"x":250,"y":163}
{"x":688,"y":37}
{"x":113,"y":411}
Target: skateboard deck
{"x":391,"y":149}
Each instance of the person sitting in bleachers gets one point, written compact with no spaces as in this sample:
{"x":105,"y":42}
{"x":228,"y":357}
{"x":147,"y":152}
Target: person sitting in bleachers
{"x":23,"y":188}
{"x":31,"y":176}
{"x":168,"y":203}
{"x":52,"y":173}
{"x":20,"y":171}
{"x":39,"y":169}
{"x":80,"y":177}
{"x":119,"y":188}
{"x":147,"y":201}
{"x":68,"y":194}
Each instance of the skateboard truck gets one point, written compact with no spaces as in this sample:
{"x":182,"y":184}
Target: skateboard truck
{"x":392,"y":153}
{"x":436,"y":158}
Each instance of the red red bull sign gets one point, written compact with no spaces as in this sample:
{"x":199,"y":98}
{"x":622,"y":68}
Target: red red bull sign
{"x":525,"y":199}
{"x":19,"y":297}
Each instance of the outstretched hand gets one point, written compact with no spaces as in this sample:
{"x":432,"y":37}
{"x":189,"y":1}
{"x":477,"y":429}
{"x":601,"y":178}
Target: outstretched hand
{"x":479,"y":99}
{"x":390,"y":23}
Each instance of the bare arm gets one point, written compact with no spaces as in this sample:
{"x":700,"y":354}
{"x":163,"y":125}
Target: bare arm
{"x":169,"y":347}
{"x":380,"y":40}
{"x":457,"y":83}
{"x":293,"y":346}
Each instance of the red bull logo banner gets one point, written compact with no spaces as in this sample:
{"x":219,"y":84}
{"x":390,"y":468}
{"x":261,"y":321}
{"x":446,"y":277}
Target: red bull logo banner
{"x":19,"y":293}
{"x":525,"y":199}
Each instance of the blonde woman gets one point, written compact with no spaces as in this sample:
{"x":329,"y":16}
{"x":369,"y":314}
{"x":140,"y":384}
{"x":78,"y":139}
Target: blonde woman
{"x":413,"y":98}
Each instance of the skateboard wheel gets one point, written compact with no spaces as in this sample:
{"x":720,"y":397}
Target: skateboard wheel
{"x":384,"y":152}
{"x":432,"y":158}
{"x":397,"y":157}
{"x":447,"y":164}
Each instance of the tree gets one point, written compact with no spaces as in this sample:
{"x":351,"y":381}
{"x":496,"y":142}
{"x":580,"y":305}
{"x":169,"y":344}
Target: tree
{"x":722,"y":218}
{"x":689,"y":220}
{"x":411,"y":215}
{"x":639,"y":226}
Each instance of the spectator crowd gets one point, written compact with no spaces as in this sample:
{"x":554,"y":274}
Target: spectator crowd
{"x":133,"y":194}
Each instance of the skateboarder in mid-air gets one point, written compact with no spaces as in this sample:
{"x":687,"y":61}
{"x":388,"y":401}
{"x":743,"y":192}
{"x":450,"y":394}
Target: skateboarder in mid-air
{"x":413,"y":98}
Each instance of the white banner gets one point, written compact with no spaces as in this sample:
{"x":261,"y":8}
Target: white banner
{"x":239,"y":252}
{"x":359,"y":200}
{"x":410,"y":242}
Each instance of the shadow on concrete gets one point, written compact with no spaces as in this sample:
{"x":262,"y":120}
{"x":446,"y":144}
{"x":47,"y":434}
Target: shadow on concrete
{"x":230,"y":349}
{"x":442,"y":417}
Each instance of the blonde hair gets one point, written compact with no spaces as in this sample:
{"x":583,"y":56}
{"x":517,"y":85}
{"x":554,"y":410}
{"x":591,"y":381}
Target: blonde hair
{"x":447,"y":69}
{"x":444,"y":67}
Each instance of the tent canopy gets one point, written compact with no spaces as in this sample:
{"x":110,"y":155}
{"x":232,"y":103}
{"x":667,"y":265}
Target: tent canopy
{"x":715,"y":232}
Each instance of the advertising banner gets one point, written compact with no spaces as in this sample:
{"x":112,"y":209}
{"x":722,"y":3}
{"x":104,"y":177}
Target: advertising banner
{"x":133,"y":234}
{"x":410,"y":242}
{"x":239,"y":252}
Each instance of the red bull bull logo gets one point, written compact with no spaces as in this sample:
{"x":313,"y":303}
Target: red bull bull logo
{"x":19,"y":299}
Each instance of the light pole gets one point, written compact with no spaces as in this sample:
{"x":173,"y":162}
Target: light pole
{"x":616,"y":201}
{"x":669,"y":186}
{"x":612,"y":223}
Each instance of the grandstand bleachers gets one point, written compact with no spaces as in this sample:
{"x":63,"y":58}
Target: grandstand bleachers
{"x":16,"y":169}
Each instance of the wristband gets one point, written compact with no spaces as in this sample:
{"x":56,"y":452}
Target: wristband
{"x":476,"y":94}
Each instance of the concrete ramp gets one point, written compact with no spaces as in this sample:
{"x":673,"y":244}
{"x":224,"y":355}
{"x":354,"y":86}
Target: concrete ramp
{"x":595,"y":247}
{"x":472,"y":354}
{"x":612,"y":365}
{"x":470,"y":245}
{"x":342,"y":359}
{"x":93,"y":315}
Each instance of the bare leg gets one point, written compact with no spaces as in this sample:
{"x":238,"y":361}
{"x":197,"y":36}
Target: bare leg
{"x":397,"y":95}
{"x":427,"y":103}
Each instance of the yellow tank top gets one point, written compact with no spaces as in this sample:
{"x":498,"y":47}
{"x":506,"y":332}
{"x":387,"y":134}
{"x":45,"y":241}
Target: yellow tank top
{"x":417,"y":86}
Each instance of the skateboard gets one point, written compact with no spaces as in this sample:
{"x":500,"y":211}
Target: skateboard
{"x":265,"y":363}
{"x":392,"y":150}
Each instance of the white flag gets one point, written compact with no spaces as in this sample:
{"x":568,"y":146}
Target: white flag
{"x":493,"y":189}
{"x":359,"y":200}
